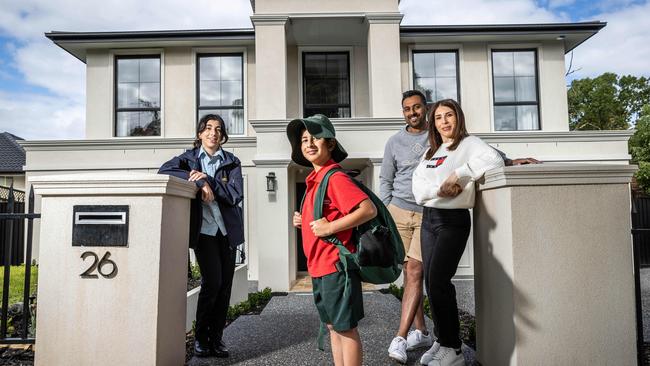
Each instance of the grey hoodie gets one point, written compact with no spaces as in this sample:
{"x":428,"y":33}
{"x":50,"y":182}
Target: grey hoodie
{"x":401,"y":156}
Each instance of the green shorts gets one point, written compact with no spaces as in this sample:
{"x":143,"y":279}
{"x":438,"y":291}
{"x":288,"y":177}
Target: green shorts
{"x":334,"y":307}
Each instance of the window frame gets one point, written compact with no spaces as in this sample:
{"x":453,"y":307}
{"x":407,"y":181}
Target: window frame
{"x":197,"y":87}
{"x":117,"y":109}
{"x":456,"y":51}
{"x":339,"y":51}
{"x":535,"y":51}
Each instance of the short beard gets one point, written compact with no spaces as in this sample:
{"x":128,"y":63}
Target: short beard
{"x":421,"y":123}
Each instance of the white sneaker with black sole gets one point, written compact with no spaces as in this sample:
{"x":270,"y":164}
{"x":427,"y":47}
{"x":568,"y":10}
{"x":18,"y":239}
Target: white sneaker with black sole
{"x":428,"y":355}
{"x":448,"y":357}
{"x":416,"y":339}
{"x":397,"y":349}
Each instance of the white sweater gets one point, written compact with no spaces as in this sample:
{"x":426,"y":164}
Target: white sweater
{"x":471,"y":159}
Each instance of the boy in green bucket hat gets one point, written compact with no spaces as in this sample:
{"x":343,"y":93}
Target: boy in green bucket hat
{"x":313,"y":144}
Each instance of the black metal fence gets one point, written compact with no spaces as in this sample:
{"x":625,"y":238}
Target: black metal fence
{"x":13,"y":212}
{"x":641,"y":250}
{"x":17,"y":244}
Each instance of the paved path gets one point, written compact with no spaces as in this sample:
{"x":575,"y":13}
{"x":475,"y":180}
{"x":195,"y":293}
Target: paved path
{"x":285,"y":334}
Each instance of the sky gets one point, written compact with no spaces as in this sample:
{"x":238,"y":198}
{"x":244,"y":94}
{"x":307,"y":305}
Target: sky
{"x":42,"y":87}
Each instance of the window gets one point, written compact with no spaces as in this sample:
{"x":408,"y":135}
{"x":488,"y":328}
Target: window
{"x":221,"y":89}
{"x":516,"y":97}
{"x":137,"y":96}
{"x":435,"y":73}
{"x":326,"y":84}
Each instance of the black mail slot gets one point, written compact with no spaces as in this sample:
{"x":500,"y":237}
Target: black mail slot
{"x":100,"y":226}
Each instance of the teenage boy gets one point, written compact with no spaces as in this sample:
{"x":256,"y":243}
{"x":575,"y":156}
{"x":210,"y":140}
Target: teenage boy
{"x":337,"y":294}
{"x":401,"y":156}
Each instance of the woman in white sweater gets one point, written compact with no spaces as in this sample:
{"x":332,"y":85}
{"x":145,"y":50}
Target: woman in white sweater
{"x":444,"y":184}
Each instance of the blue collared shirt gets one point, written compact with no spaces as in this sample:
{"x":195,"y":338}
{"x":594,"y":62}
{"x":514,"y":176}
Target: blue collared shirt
{"x":212,"y":218}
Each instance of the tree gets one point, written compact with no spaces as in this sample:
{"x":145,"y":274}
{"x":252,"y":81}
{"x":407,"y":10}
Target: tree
{"x":640,"y":149}
{"x":607,"y":102}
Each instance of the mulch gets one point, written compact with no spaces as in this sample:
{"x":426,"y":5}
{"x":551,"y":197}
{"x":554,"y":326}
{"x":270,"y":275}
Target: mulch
{"x":17,"y":355}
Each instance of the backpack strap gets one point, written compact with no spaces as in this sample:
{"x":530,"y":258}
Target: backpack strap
{"x":344,"y":254}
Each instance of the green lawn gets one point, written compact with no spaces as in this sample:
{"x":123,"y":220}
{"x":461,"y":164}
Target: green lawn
{"x":17,"y":283}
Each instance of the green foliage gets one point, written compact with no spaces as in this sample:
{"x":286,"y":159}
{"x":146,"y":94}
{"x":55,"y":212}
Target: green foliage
{"x":640,"y":149}
{"x":256,"y":301}
{"x":607,"y":102}
{"x":195,"y":271}
{"x":17,"y":282}
{"x":643,"y":176}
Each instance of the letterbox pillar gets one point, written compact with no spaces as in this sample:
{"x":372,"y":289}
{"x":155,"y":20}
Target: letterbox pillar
{"x":113,"y":269}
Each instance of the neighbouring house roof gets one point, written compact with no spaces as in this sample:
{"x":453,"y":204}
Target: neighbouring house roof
{"x":12,"y":155}
{"x":573,"y":34}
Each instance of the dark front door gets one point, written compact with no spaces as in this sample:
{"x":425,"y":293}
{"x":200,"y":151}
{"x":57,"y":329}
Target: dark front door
{"x":301,"y":258}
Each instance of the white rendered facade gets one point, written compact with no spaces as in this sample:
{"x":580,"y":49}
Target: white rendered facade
{"x":380,"y":67}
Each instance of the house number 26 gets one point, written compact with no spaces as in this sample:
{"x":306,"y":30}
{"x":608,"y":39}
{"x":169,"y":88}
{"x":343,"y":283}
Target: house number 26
{"x":99,"y":265}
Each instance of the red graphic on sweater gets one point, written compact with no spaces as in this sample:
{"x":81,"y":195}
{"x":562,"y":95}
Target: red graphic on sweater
{"x":436,"y":162}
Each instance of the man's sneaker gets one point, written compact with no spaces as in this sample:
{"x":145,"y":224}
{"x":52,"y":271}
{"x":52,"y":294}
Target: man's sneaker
{"x":448,"y":357}
{"x":397,"y":349}
{"x":416,"y":339}
{"x":430,"y":353}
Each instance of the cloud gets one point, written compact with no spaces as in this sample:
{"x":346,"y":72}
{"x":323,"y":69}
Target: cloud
{"x":418,"y":12}
{"x":37,"y":117}
{"x":61,"y":77}
{"x":621,"y":47}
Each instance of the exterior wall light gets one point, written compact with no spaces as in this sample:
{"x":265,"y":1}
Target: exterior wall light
{"x":271,"y":183}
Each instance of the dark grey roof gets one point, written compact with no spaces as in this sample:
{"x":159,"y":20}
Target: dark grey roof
{"x":12,"y":155}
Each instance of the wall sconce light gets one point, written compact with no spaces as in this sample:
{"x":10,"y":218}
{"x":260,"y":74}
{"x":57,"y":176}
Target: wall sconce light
{"x":271,"y":183}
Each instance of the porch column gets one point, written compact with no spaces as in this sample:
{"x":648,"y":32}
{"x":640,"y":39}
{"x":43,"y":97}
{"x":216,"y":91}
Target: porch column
{"x":270,"y":66}
{"x":113,"y":269}
{"x":273,"y":216}
{"x":384,"y":72}
{"x":554,"y":277}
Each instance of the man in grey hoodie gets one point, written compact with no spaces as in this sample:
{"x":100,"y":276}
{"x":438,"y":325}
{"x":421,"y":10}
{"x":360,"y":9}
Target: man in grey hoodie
{"x":401,"y":156}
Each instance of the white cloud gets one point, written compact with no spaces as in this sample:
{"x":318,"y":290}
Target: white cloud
{"x":621,"y":47}
{"x":43,"y":64}
{"x":35,"y":117}
{"x":418,"y":12}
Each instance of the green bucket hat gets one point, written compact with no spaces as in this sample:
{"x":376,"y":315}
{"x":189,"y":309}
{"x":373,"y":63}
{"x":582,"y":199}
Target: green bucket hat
{"x":318,"y":126}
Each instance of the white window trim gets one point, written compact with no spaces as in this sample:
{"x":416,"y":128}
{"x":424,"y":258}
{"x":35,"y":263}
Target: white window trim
{"x":112,"y":54}
{"x":225,"y":50}
{"x":350,"y":51}
{"x":514,"y":47}
{"x":457,"y":47}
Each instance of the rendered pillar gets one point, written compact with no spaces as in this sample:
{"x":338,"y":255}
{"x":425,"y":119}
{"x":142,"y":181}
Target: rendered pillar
{"x":554,"y":277}
{"x":384,"y":72}
{"x":134,"y":315}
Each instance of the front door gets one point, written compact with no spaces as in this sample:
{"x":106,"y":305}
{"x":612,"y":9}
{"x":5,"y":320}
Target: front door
{"x":300,"y":257}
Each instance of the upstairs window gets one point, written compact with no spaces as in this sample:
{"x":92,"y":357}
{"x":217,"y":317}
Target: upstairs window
{"x":435,"y":74}
{"x":516,"y":96}
{"x":137,"y":96}
{"x":221,"y":89}
{"x":326,"y":84}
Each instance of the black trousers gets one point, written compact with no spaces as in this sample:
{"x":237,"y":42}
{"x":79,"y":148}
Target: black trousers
{"x":443,"y":238}
{"x":217,"y":264}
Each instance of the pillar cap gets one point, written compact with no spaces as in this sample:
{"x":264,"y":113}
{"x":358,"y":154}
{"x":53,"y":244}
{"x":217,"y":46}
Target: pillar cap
{"x":123,"y":184}
{"x":550,"y":174}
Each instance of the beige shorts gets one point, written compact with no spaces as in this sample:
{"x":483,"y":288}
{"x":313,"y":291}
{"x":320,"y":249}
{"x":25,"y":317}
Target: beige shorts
{"x":408,"y":224}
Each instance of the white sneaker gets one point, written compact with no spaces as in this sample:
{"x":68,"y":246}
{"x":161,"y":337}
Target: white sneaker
{"x":428,"y":355}
{"x":416,"y":339}
{"x":397,"y":349}
{"x":448,"y":357}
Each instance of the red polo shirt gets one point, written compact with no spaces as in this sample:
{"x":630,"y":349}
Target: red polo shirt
{"x":342,"y":196}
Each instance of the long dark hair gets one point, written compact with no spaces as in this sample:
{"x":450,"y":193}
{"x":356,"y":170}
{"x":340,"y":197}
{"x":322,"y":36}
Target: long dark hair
{"x":203,"y":122}
{"x":459,"y":133}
